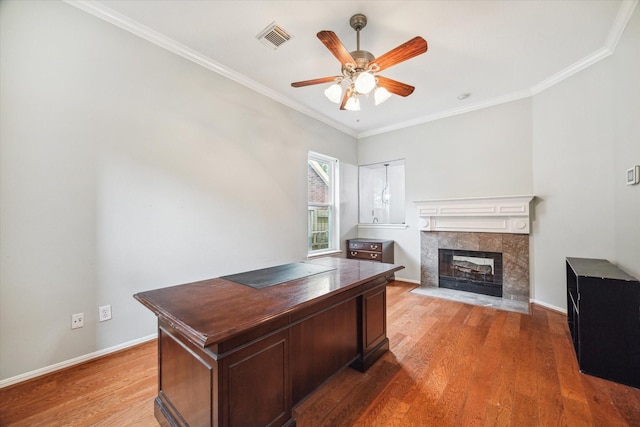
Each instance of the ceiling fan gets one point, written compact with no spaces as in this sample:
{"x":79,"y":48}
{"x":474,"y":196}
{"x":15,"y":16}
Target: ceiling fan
{"x":360,"y":68}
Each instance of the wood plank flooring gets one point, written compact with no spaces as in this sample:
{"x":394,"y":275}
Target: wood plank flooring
{"x":450,"y":364}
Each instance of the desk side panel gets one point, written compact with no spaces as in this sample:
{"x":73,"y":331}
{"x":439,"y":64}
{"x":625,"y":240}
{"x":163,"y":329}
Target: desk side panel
{"x":374,"y":318}
{"x":186,"y":380}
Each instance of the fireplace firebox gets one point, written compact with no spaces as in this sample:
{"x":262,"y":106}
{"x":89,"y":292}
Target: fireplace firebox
{"x":470,"y":271}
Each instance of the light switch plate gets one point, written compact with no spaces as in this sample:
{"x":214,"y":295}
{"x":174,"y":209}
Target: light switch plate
{"x":633,"y":175}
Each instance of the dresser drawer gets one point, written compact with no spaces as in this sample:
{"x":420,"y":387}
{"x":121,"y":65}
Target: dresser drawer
{"x":371,"y":250}
{"x":365,"y":246}
{"x":368,"y":255}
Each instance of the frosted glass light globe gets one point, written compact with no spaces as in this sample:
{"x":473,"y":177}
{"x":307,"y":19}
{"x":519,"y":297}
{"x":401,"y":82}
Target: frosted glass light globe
{"x":334,"y":93}
{"x":365,"y":82}
{"x":353,"y":104}
{"x":380,"y":95}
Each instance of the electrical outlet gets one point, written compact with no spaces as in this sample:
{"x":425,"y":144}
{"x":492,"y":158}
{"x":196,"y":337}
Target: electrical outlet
{"x":104,"y":313}
{"x":77,"y":320}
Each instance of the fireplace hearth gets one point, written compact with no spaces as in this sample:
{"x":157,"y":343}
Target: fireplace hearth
{"x":470,"y":271}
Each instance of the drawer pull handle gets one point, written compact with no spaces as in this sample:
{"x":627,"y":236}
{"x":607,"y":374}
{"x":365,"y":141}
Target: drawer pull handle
{"x":374,"y":246}
{"x":374,"y":255}
{"x":354,"y":253}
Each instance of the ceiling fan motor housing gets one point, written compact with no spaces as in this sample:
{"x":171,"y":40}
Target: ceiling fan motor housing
{"x":362,"y":58}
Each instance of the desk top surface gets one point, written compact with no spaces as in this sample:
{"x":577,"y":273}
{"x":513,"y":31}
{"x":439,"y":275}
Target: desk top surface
{"x":210,"y":311}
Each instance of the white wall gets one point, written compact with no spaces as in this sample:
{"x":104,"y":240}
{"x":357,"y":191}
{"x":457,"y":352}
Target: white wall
{"x":627,"y":146}
{"x":573,"y":177}
{"x":125,"y":168}
{"x":482,"y":153}
{"x":586,"y":135}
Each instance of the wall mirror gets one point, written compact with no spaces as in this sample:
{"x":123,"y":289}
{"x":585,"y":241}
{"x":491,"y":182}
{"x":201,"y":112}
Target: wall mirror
{"x":381,"y":193}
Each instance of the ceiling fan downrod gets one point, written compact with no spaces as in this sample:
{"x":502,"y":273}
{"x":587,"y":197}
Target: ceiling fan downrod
{"x":358,"y":22}
{"x":362,"y":57}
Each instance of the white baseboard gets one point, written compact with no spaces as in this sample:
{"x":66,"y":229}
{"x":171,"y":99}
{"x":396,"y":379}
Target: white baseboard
{"x":401,"y":279}
{"x":549,"y":306}
{"x":75,"y":361}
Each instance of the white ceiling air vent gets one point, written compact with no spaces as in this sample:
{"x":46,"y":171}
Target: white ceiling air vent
{"x":273,"y":36}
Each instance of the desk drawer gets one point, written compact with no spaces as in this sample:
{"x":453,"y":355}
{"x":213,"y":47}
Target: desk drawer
{"x":366,"y":246}
{"x":368,"y":255}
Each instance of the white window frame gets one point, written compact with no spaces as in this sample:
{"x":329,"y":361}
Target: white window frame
{"x":333,"y":204}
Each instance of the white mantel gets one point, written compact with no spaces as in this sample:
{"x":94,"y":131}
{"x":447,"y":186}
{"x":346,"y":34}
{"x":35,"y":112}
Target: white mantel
{"x":505,"y":214}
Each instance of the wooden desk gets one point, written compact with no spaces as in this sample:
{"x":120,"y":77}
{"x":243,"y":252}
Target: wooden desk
{"x":232,"y":355}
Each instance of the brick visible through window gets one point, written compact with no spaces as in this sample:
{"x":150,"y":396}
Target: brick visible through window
{"x":321,"y":173}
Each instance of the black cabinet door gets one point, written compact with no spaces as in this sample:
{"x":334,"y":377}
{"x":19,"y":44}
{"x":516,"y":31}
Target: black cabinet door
{"x":610,"y":330}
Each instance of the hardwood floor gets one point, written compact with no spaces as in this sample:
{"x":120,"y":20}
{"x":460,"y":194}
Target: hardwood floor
{"x":114,"y":390}
{"x":450,"y":364}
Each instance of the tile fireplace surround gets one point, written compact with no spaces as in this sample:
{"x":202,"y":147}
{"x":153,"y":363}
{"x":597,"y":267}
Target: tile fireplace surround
{"x":499,"y":224}
{"x":514,"y":249}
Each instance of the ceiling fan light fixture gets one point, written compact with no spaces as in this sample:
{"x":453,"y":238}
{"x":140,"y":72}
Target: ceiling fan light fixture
{"x":380,"y":95}
{"x":353,"y":104}
{"x":365,"y":82}
{"x":334,"y":93}
{"x":360,"y":68}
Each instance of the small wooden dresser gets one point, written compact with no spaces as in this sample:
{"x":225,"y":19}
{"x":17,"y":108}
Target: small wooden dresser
{"x":370,"y":249}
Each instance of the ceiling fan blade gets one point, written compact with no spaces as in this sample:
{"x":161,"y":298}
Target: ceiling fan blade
{"x":414,"y":47}
{"x":333,"y":43}
{"x":315,"y":81}
{"x":345,"y":98}
{"x":394,"y":86}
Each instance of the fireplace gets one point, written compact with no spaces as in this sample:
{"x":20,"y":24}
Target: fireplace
{"x":470,"y":271}
{"x":489,"y":225}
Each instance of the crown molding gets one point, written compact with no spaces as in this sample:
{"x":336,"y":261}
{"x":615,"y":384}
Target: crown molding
{"x":109,"y":15}
{"x":449,"y":113}
{"x":622,"y":19}
{"x":96,"y":9}
{"x":585,"y":62}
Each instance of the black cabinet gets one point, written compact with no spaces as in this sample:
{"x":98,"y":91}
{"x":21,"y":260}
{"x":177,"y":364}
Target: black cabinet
{"x":603,"y":312}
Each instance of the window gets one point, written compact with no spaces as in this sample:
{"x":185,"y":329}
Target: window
{"x":381,"y":193}
{"x":322,"y":176}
